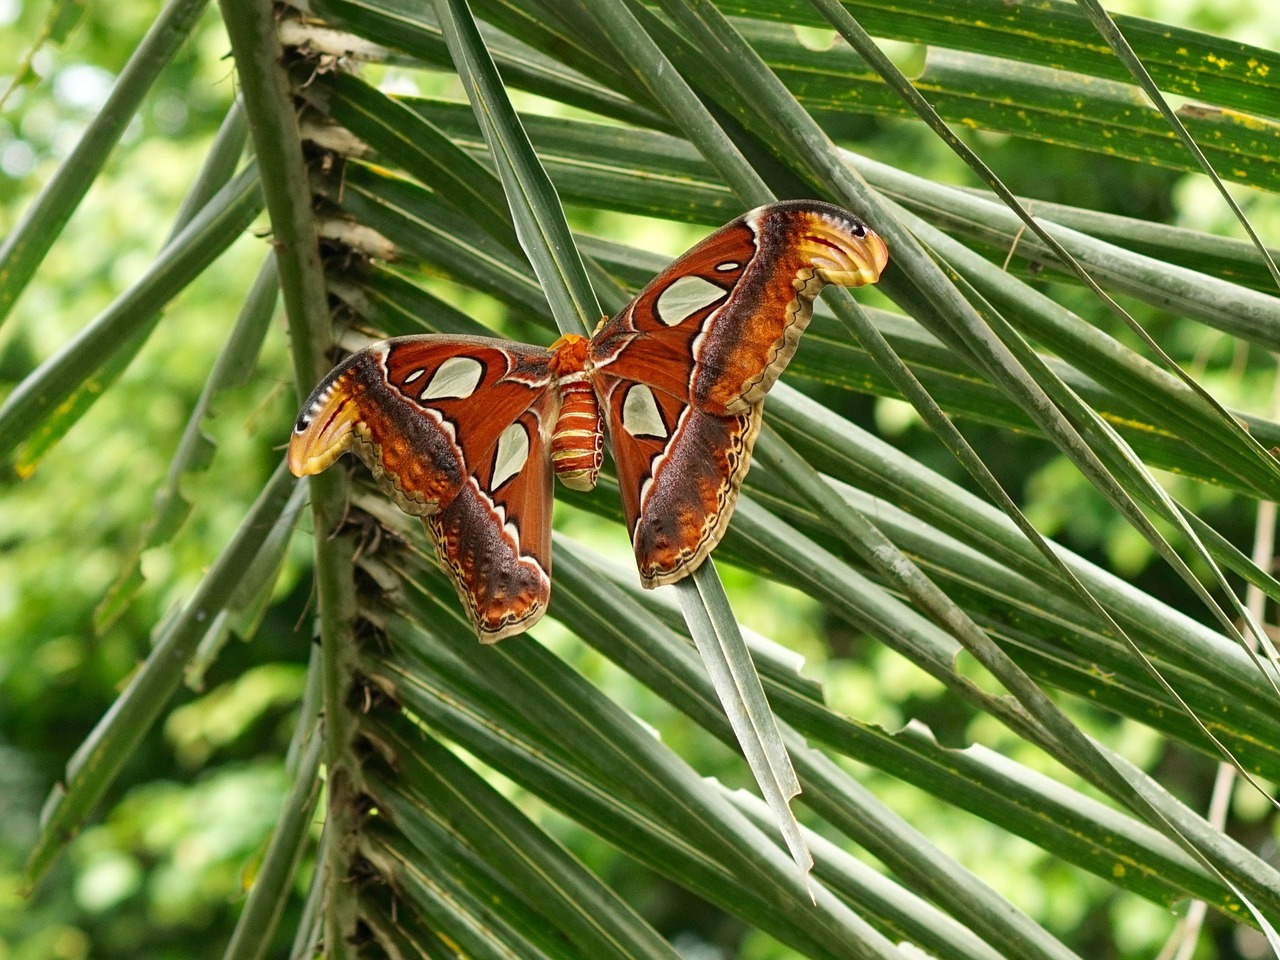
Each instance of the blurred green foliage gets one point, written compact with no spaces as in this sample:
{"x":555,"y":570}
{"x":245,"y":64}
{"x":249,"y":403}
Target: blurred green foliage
{"x":161,"y":873}
{"x":166,"y":865}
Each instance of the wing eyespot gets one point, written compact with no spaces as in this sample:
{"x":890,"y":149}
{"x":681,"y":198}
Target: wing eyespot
{"x":640,"y":414}
{"x":455,"y":379}
{"x":510,"y":455}
{"x":684,"y":298}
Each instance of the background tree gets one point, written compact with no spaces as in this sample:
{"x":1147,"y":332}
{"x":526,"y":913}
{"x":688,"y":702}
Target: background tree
{"x":481,"y":800}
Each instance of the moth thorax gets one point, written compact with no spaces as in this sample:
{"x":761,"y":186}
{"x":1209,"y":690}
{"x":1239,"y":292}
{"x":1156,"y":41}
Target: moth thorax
{"x":578,"y":442}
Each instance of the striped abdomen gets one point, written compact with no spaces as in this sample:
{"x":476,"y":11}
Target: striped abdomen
{"x":578,"y":442}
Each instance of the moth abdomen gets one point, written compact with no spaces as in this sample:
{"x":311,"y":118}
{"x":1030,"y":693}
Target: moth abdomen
{"x":577,"y":444}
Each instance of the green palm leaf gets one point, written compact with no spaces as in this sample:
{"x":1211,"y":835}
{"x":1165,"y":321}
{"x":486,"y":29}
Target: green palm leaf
{"x":514,"y":801}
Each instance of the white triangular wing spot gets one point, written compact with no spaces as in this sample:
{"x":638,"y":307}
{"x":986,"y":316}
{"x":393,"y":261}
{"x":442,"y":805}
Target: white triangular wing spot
{"x":512,"y":452}
{"x":640,"y":415}
{"x":456,"y":378}
{"x":685,"y":297}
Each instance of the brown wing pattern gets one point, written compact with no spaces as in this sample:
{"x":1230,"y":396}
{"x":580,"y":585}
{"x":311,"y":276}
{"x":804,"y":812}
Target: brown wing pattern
{"x":683,"y":370}
{"x":655,"y":339}
{"x":408,"y":408}
{"x":494,"y":538}
{"x":679,"y":471}
{"x":721,"y":323}
{"x":455,"y":430}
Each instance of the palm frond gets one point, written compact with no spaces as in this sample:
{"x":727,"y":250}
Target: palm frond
{"x":503,"y":801}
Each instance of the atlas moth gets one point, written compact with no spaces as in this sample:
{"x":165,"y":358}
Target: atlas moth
{"x":466,"y":432}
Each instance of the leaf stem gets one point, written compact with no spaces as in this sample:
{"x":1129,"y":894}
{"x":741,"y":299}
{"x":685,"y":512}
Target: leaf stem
{"x":286,"y":189}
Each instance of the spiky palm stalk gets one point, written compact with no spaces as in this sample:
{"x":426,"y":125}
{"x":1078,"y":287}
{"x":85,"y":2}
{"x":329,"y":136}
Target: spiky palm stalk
{"x":707,"y":116}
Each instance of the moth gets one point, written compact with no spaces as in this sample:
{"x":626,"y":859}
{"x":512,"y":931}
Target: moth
{"x":466,"y":432}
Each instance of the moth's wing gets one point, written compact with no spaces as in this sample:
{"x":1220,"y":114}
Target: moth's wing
{"x":719,"y":325}
{"x":494,"y":537}
{"x":455,"y":430}
{"x":419,"y":411}
{"x":682,"y":371}
{"x":679,"y":471}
